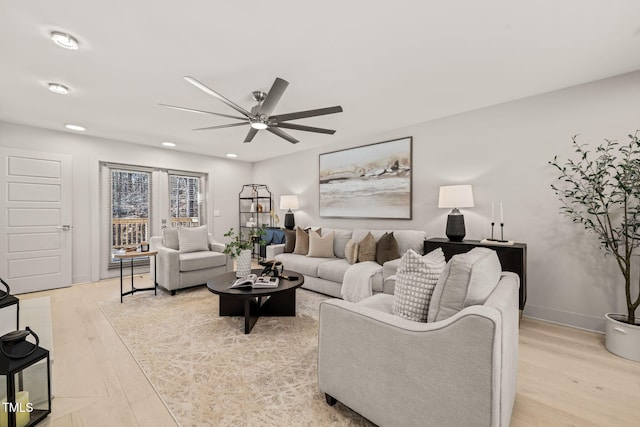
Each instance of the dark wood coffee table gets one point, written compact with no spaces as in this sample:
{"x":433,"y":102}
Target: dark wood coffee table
{"x":253,"y":303}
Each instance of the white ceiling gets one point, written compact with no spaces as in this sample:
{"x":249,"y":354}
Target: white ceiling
{"x":387,"y":63}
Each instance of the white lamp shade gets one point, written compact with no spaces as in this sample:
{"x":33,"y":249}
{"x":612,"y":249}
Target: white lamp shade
{"x":289,"y":202}
{"x":455,"y":196}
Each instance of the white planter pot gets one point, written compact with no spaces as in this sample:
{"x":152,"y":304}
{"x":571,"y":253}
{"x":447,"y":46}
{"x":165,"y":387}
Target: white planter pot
{"x":243,"y":263}
{"x":622,"y":339}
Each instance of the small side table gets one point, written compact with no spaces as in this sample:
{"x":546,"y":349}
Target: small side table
{"x":132,"y":256}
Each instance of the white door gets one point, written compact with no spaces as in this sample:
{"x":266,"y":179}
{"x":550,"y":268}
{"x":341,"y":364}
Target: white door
{"x":35,"y":220}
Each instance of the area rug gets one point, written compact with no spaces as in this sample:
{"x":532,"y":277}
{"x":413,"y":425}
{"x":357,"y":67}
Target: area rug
{"x":208,"y":372}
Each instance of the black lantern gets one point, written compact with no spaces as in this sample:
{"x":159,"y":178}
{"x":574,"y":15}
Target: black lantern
{"x":25,"y":380}
{"x":10,"y":309}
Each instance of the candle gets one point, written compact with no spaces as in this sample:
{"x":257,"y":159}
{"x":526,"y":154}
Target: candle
{"x":492,"y":212}
{"x":22,"y":410}
{"x":501,"y":214}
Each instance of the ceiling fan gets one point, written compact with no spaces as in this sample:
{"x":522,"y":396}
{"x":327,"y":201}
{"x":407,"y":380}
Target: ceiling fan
{"x":260,"y":116}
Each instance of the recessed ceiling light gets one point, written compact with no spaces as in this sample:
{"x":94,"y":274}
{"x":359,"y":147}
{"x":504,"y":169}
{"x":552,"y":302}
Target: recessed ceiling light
{"x":232,"y":155}
{"x":168,"y":144}
{"x":58,"y":88}
{"x":75,"y":127}
{"x":64,"y":40}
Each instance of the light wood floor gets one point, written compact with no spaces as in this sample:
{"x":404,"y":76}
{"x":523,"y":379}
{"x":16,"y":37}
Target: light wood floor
{"x":566,"y":376}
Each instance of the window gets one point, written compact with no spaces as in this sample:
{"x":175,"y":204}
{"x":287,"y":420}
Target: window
{"x":184,"y":201}
{"x":138,"y":201}
{"x":130,"y":206}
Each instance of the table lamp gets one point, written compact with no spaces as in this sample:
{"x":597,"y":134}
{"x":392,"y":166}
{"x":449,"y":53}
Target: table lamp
{"x":289,"y":202}
{"x":455,"y":196}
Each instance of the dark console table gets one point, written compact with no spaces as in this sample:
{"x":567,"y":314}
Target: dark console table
{"x":512,"y":257}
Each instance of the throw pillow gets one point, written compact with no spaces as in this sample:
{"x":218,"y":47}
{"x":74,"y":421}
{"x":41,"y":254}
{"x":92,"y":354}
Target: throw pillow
{"x":170,"y":238}
{"x":416,"y":278}
{"x":387,"y":249}
{"x":351,"y":251}
{"x":321,"y":246}
{"x":367,"y":248}
{"x":193,"y":239}
{"x":289,"y":241}
{"x":467,"y":280}
{"x":302,"y":242}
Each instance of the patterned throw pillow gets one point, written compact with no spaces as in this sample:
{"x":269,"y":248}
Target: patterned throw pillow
{"x":367,"y":248}
{"x":193,"y":239}
{"x":387,"y":248}
{"x":415,"y":279}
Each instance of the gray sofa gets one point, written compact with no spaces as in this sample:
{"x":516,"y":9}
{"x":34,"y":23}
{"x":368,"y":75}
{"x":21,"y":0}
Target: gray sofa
{"x":178,"y":270}
{"x":460,"y":370}
{"x":325,"y":275}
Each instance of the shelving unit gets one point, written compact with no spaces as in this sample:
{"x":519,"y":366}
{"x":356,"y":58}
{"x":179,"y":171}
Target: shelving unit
{"x":254,"y":203}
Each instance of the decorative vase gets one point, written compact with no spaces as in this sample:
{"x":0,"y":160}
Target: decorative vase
{"x":622,"y":339}
{"x":243,"y":263}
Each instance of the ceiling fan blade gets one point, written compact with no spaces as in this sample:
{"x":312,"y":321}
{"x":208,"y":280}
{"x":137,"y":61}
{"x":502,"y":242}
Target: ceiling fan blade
{"x":305,"y":128}
{"x":308,"y":113}
{"x":273,"y":96}
{"x":202,"y":112}
{"x":282,"y":134}
{"x":215,"y":94}
{"x":250,"y":135}
{"x":224,"y":126}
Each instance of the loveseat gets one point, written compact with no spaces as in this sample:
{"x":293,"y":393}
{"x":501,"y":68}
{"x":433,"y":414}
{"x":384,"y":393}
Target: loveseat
{"x":326,"y":274}
{"x":457,"y":367}
{"x":187,"y":256}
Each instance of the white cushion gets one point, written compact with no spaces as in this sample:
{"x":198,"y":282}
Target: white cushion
{"x":468,"y":279}
{"x":170,"y":238}
{"x":415,"y":280}
{"x":302,"y":264}
{"x":194,"y":261}
{"x":193,"y":239}
{"x":321,"y":246}
{"x":333,"y":270}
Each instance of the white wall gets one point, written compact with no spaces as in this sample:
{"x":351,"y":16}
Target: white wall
{"x":225,"y":179}
{"x":503,"y":152}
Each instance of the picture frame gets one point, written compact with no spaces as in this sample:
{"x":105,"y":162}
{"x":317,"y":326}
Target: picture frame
{"x":371,"y":181}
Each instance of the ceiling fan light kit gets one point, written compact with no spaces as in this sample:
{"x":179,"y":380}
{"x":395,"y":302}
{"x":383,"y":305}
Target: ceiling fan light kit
{"x":260,"y":118}
{"x":259,"y":125}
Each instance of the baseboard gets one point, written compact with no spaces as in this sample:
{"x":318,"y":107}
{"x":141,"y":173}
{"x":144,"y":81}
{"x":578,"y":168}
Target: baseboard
{"x":566,"y":318}
{"x":81,"y":278}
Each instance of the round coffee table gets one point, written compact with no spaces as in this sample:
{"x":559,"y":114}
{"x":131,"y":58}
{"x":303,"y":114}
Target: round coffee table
{"x":253,"y":303}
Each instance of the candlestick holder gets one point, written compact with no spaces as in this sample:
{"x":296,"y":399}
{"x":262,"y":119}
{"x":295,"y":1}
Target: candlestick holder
{"x":501,"y":239}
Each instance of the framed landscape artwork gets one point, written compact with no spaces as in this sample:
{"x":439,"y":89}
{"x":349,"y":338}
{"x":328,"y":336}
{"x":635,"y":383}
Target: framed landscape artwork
{"x":371,"y":181}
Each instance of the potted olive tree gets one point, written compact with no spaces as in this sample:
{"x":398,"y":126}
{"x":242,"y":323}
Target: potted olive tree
{"x":240,"y":248}
{"x":601,"y":191}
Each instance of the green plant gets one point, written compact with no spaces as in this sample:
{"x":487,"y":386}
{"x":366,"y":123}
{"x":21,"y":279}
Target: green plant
{"x":601,"y":191}
{"x":239,"y":243}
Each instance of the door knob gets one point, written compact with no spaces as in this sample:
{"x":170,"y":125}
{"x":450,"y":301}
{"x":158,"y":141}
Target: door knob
{"x":64,"y":227}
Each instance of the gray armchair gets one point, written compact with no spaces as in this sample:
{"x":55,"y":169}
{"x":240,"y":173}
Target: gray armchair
{"x":179,"y":270}
{"x":459,"y":371}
